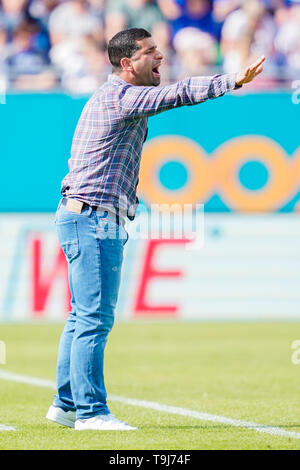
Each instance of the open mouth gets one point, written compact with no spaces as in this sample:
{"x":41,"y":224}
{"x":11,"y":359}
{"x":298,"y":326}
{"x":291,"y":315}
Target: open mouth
{"x":155,"y":71}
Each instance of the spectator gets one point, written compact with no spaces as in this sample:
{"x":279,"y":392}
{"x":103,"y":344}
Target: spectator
{"x":82,"y":64}
{"x":97,"y":9}
{"x":72,"y":19}
{"x":196,"y":52}
{"x":195,"y":36}
{"x":122,"y":14}
{"x":42,"y":9}
{"x":12,"y":13}
{"x":77,"y":36}
{"x":26,"y":63}
{"x":190,"y":13}
{"x":287,"y":41}
{"x":222,"y":8}
{"x":247,"y":32}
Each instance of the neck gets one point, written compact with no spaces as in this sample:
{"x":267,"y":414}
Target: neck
{"x":128,"y":77}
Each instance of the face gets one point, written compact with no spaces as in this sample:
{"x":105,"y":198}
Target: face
{"x":144,"y":64}
{"x":13,"y":6}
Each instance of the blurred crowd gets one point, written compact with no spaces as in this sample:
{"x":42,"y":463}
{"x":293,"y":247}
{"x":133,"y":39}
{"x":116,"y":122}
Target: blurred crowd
{"x":50,"y":44}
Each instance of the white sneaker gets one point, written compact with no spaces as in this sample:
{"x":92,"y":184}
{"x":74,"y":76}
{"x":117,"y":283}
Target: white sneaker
{"x":102,"y":423}
{"x":58,"y":415}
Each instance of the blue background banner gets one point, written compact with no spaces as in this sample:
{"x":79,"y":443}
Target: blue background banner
{"x":37,"y":131}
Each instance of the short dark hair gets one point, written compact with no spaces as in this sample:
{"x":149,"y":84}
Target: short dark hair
{"x":124,"y":44}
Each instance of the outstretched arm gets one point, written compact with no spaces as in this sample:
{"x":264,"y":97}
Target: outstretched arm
{"x":145,"y":101}
{"x":142,"y":101}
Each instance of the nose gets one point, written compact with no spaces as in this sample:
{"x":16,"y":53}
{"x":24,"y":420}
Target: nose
{"x":159,"y":55}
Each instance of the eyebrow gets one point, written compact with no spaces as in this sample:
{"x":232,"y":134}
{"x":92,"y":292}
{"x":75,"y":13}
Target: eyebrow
{"x":150,"y":48}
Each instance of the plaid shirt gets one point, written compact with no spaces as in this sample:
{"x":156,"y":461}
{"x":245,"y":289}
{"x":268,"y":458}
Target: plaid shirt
{"x":109,"y":137}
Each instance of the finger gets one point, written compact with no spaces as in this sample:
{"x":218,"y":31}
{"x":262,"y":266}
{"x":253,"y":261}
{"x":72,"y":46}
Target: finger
{"x":259,"y":70}
{"x":258,"y":63}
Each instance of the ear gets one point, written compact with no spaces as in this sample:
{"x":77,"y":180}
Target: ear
{"x":126,"y":64}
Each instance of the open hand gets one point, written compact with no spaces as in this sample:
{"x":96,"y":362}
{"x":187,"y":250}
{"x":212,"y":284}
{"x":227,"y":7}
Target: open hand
{"x":250,"y":72}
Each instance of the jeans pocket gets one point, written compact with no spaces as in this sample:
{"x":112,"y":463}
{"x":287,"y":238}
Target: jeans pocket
{"x":68,"y":238}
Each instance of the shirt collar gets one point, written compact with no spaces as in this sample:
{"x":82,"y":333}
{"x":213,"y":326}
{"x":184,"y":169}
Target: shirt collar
{"x":114,"y":78}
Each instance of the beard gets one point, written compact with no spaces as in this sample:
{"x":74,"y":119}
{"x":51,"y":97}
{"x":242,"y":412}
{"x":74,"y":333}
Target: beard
{"x":155,"y":79}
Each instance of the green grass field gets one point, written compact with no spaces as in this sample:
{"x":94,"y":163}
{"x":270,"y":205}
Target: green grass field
{"x":240,"y":371}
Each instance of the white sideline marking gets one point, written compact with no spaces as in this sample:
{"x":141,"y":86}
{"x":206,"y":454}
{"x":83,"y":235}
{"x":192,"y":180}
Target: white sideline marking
{"x":160,"y":407}
{"x":6,"y":428}
{"x":24,"y":379}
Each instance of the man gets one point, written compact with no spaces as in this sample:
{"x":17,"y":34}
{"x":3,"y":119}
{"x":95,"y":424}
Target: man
{"x":98,"y":193}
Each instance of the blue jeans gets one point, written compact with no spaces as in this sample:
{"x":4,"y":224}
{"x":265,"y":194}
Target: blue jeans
{"x":93,"y":244}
